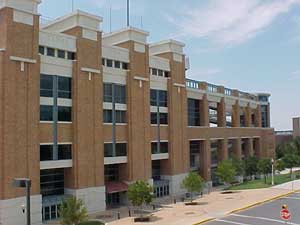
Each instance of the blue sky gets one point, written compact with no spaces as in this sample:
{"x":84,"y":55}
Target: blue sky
{"x":251,"y":45}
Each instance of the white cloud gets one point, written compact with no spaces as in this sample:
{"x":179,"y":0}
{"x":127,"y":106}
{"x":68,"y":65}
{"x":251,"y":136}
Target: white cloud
{"x":231,"y":21}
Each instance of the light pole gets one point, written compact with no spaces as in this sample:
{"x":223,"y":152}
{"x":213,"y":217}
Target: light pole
{"x":25,"y":183}
{"x":272,"y":161}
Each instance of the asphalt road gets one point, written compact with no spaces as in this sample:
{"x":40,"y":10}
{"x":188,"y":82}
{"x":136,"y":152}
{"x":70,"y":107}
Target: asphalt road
{"x":266,"y":214}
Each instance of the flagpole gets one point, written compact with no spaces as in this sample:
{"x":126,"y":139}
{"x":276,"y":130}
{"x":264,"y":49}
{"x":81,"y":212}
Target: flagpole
{"x":72,"y":5}
{"x":128,"y":8}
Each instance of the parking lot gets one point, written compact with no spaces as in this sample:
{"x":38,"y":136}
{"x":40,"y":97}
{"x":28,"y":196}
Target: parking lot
{"x":266,"y":214}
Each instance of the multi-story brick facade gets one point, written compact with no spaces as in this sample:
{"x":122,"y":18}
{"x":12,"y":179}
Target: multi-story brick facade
{"x":84,"y":113}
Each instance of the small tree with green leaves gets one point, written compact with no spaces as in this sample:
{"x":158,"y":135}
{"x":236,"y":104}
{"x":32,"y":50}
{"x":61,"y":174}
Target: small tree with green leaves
{"x":72,"y":212}
{"x":140,"y":193}
{"x":239,"y":166}
{"x":251,"y":166}
{"x":279,"y":165}
{"x":264,"y":167}
{"x":193,"y":183}
{"x":226,"y":171}
{"x":291,"y":160}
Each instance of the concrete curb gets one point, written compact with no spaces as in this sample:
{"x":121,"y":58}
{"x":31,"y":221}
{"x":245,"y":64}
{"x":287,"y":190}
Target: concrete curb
{"x":250,"y":206}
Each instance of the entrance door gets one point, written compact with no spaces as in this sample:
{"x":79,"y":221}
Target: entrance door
{"x":113,"y":199}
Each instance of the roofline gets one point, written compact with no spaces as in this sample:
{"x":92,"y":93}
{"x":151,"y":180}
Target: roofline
{"x":106,"y":35}
{"x":167,"y":41}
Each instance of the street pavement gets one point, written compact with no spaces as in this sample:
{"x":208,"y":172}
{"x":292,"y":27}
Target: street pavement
{"x":265,"y":214}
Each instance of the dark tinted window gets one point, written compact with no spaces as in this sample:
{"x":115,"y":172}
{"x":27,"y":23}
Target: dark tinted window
{"x":46,"y":152}
{"x":64,"y":113}
{"x":154,"y":71}
{"x":193,"y":112}
{"x":153,"y":97}
{"x":61,"y":54}
{"x":51,"y":52}
{"x":163,"y":98}
{"x":52,"y":182}
{"x":64,"y":152}
{"x":107,"y":92}
{"x":163,"y":118}
{"x":121,"y":150}
{"x":163,"y":147}
{"x":71,"y":55}
{"x":109,"y":63}
{"x":120,"y":94}
{"x":42,"y":50}
{"x":103,"y":61}
{"x":125,"y":66}
{"x":153,"y":118}
{"x":160,"y":73}
{"x":120,"y":116}
{"x":111,"y":172}
{"x":64,"y":87}
{"x":107,"y":116}
{"x":46,"y":113}
{"x":117,"y":64}
{"x":46,"y":86}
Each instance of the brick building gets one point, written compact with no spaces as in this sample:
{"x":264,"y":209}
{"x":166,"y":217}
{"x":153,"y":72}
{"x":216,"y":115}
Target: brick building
{"x":84,"y":113}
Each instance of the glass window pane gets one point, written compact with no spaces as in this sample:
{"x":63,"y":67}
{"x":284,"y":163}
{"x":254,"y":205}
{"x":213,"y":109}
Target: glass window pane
{"x":160,"y":73}
{"x":64,"y":87}
{"x":42,"y":50}
{"x":64,"y":152}
{"x":51,"y":52}
{"x":153,"y":101}
{"x":107,"y":92}
{"x":125,"y":66}
{"x":71,"y":55}
{"x":163,"y":98}
{"x":153,"y":118}
{"x":46,"y":113}
{"x":154,"y":149}
{"x":154,"y":72}
{"x":46,"y":85}
{"x":163,"y":118}
{"x":46,"y":152}
{"x":109,"y":63}
{"x":120,"y":94}
{"x":107,"y":116}
{"x":117,"y":64}
{"x":121,"y":149}
{"x":64,"y":113}
{"x":61,"y":54}
{"x":108,"y":150}
{"x":120,"y":116}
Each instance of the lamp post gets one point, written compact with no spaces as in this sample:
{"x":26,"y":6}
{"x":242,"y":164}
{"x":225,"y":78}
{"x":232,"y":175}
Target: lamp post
{"x":25,"y":183}
{"x":272,"y":161}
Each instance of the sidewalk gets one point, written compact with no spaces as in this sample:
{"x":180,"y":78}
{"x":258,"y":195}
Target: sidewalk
{"x":210,"y":206}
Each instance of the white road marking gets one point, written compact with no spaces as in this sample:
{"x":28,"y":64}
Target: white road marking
{"x":231,"y":222}
{"x":295,"y":198}
{"x":263,"y":218}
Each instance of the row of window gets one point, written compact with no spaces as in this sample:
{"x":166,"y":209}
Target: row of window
{"x":161,"y":117}
{"x":160,"y":73}
{"x":52,"y":182}
{"x":64,"y":152}
{"x":120,"y":116}
{"x":120,"y":150}
{"x":62,"y":84}
{"x":114,"y":64}
{"x":157,"y":148}
{"x":53,"y":52}
{"x":64,"y":113}
{"x":158,"y":98}
{"x":114,"y":93}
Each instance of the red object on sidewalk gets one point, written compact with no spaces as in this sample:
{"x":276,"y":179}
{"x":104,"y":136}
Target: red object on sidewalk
{"x":285,"y":214}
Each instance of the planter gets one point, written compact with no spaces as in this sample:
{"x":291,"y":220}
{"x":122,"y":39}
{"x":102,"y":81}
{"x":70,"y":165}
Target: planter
{"x":142,"y":219}
{"x":191,"y":203}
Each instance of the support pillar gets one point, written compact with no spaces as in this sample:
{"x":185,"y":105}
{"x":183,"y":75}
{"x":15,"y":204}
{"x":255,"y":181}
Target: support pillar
{"x":248,"y":119}
{"x":204,"y":111}
{"x":205,"y":160}
{"x":222,"y":150}
{"x":258,"y":117}
{"x":237,"y":148}
{"x":249,"y":147}
{"x":235,"y":117}
{"x":221,"y":113}
{"x":257,"y":147}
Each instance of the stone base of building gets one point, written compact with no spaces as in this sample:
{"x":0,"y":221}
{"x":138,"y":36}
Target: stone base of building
{"x":175,"y":183}
{"x":11,"y":211}
{"x":93,"y":198}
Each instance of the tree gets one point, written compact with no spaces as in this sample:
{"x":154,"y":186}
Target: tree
{"x":193,"y":183}
{"x":264,"y":167}
{"x":73,"y":212}
{"x":279,"y":165}
{"x":291,"y":160}
{"x":239,"y":166}
{"x":226,"y":171}
{"x":251,"y":166}
{"x":140,"y":193}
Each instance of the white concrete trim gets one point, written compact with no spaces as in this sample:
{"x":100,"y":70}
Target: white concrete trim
{"x":117,"y":142}
{"x":139,"y":47}
{"x":115,"y":160}
{"x":22,"y":17}
{"x":64,"y":102}
{"x":46,"y":101}
{"x":141,"y":78}
{"x":198,"y":139}
{"x":161,"y":141}
{"x":153,"y":109}
{"x":59,"y":143}
{"x":90,"y":34}
{"x":2,"y":50}
{"x":90,"y":70}
{"x":175,"y":183}
{"x":93,"y":198}
{"x":26,"y":6}
{"x":160,"y":156}
{"x":54,"y":164}
{"x":20,"y":59}
{"x":179,"y":85}
{"x":118,"y":106}
{"x":56,"y":66}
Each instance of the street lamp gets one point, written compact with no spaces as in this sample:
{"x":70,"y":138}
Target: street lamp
{"x":272,"y":161}
{"x":24,"y":183}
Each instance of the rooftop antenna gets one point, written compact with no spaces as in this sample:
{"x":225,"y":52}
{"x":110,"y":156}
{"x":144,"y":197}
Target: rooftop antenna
{"x":141,"y":22}
{"x":128,"y":11}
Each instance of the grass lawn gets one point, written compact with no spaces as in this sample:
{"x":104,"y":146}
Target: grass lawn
{"x":256,"y":184}
{"x":92,"y":223}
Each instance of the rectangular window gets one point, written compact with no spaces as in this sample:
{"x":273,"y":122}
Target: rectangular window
{"x":42,"y":50}
{"x":103,"y":61}
{"x":163,"y":118}
{"x":52,"y":182}
{"x":120,"y":94}
{"x":163,"y":147}
{"x":46,"y":113}
{"x":160,"y":73}
{"x":51,"y":52}
{"x":167,"y":74}
{"x":111,"y":173}
{"x":109,"y":63}
{"x":153,"y":118}
{"x":107,"y":92}
{"x":46,"y":152}
{"x":125,"y":66}
{"x":64,"y":152}
{"x":64,"y":87}
{"x":46,"y":85}
{"x":162,"y":100}
{"x":120,"y":116}
{"x":71,"y":56}
{"x":193,"y":112}
{"x":61,"y":54}
{"x":153,"y":97}
{"x":64,"y":114}
{"x":117,"y":64}
{"x":107,"y":116}
{"x":121,"y":150}
{"x":154,"y":72}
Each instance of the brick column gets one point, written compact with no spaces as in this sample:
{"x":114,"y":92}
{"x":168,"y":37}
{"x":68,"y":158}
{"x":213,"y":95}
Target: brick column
{"x":258,"y":117}
{"x":221,"y":113}
{"x":237,"y":148}
{"x":257,"y":147}
{"x":222,"y":150}
{"x":249,"y":147}
{"x":205,"y":160}
{"x":236,"y":121}
{"x":204,"y":111}
{"x":247,"y":113}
